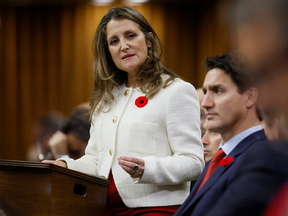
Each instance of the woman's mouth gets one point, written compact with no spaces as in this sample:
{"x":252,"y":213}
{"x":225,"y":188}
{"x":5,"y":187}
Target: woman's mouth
{"x":127,"y":57}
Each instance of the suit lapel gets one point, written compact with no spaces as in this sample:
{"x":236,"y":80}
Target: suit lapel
{"x":239,"y":149}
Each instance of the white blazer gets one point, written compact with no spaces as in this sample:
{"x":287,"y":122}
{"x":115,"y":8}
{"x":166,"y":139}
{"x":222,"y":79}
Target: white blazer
{"x":165,"y":134}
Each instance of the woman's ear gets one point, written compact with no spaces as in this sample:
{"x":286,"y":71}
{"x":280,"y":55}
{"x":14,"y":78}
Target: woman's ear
{"x":149,"y":44}
{"x":252,"y":96}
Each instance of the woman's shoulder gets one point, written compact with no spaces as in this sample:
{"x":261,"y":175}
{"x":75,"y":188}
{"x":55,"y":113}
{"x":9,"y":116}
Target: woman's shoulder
{"x":178,"y":84}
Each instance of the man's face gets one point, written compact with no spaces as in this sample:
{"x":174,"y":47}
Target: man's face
{"x":273,"y":102}
{"x":224,"y":106}
{"x":260,"y":42}
{"x":76,"y":147}
{"x":211,"y":142}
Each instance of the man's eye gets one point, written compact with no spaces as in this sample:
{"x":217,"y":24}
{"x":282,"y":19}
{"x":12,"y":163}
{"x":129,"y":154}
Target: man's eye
{"x":218,"y":91}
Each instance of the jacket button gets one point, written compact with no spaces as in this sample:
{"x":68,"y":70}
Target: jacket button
{"x":115,"y":119}
{"x":126,"y":92}
{"x":111,"y":151}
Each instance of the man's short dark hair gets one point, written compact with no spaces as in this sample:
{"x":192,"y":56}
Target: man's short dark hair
{"x":234,"y":64}
{"x":78,"y":123}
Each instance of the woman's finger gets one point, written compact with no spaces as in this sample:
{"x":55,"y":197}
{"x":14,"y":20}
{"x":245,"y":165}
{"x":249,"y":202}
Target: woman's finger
{"x":131,"y":169}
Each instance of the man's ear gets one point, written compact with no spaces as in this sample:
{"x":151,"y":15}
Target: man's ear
{"x":252,"y":95}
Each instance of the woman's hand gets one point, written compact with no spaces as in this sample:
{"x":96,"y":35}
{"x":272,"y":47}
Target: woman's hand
{"x":59,"y":163}
{"x":133,"y":166}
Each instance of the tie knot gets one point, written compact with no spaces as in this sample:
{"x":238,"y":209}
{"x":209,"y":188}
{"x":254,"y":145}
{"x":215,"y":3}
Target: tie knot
{"x":218,"y":156}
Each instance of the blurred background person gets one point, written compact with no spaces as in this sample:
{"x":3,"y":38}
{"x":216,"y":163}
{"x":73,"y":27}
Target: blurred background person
{"x":261,"y":33}
{"x":2,"y":213}
{"x":73,"y":137}
{"x":211,"y":142}
{"x":260,"y":29}
{"x":272,"y":130}
{"x":44,"y":127}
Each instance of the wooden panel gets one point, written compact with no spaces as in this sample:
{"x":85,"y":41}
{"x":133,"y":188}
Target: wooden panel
{"x":1,"y":73}
{"x":24,"y":192}
{"x":28,"y":189}
{"x":38,"y":67}
{"x":64,"y":201}
{"x":212,"y":38}
{"x":10,"y":114}
{"x":24,"y":74}
{"x":67,"y":52}
{"x":53,"y":45}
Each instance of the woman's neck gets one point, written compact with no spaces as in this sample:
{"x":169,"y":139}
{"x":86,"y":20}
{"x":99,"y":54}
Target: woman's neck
{"x":132,"y":82}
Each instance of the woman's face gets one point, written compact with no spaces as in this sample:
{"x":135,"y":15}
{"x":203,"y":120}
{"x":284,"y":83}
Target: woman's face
{"x":127,"y":45}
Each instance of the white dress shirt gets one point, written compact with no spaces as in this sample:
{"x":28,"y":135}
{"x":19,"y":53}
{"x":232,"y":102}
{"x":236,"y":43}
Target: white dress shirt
{"x":234,"y":141}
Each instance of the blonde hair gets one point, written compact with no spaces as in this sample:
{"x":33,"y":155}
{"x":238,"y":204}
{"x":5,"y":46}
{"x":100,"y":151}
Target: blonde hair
{"x":107,"y":75}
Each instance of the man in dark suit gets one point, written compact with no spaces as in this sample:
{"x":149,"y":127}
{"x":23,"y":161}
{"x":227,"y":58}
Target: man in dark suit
{"x":230,"y":107}
{"x":261,"y":28}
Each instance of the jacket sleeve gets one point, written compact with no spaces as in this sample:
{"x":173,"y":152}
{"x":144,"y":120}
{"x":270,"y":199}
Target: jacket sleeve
{"x":183,"y":132}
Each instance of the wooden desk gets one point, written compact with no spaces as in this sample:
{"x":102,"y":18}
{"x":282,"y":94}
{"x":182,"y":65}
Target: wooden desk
{"x":32,"y":188}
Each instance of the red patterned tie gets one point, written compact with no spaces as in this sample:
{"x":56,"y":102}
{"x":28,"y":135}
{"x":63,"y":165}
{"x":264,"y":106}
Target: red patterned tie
{"x":212,"y":166}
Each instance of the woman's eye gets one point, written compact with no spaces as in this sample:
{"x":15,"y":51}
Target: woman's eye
{"x":114,"y":41}
{"x":130,"y":36}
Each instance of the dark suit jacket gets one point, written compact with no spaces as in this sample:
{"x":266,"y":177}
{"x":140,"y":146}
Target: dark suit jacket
{"x":262,"y":174}
{"x":208,"y":196}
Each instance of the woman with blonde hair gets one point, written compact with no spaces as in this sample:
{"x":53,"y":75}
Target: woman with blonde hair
{"x":145,"y":133}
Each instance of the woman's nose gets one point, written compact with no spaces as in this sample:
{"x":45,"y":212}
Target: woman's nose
{"x":124,"y":46}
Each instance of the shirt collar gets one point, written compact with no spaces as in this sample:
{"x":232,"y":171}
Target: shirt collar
{"x":234,"y":141}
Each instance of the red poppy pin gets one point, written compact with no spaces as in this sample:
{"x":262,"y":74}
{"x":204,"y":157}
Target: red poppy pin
{"x":141,"y":101}
{"x":226,"y":161}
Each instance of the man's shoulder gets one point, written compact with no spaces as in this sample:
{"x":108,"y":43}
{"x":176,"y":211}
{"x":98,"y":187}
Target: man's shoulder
{"x":261,"y":172}
{"x":249,"y":142}
{"x":269,"y":152}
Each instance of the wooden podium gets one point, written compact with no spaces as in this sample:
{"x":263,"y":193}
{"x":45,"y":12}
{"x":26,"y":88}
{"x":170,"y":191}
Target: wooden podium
{"x":31,"y":188}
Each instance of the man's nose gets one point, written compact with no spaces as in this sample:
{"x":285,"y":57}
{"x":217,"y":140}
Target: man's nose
{"x":205,"y":139}
{"x":207,"y":101}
